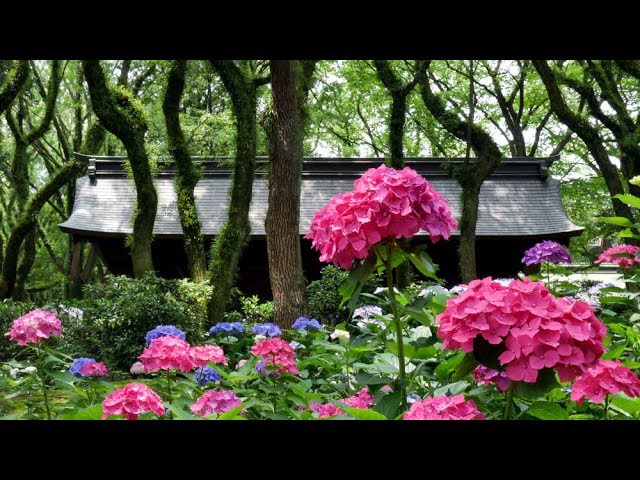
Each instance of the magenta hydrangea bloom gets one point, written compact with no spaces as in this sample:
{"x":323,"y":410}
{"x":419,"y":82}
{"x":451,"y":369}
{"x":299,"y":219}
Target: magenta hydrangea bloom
{"x":278,"y":353}
{"x":215,"y":401}
{"x":603,"y":378}
{"x":167,"y":353}
{"x":94,"y":369}
{"x":132,"y":400}
{"x":622,"y":255}
{"x":384,"y":203}
{"x":488,"y":376}
{"x":546,"y":251}
{"x":204,"y":354}
{"x":534,"y":329}
{"x":443,"y":408}
{"x":35,"y":326}
{"x":362,"y":400}
{"x":137,"y":368}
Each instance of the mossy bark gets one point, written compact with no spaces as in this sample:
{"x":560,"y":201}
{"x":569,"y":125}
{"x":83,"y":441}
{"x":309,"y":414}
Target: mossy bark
{"x":587,"y":133}
{"x":14,"y":80}
{"x":27,"y":223}
{"x":285,"y":174}
{"x":470,"y":175}
{"x":229,"y":242}
{"x":187,"y":173}
{"x":121,"y":115}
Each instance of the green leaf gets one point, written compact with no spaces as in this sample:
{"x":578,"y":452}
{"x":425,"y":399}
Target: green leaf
{"x":389,"y":406}
{"x":626,"y":404}
{"x":233,"y":414}
{"x":368,"y":379}
{"x":361,"y":414}
{"x":423,"y":262}
{"x":358,"y":276}
{"x":547,"y":411}
{"x":445,"y":368}
{"x":631,"y":200}
{"x":546,"y":382}
{"x":90,"y":413}
{"x":620,"y":221}
{"x":465,"y":367}
{"x":179,"y":413}
{"x":615,"y":352}
{"x":66,"y":378}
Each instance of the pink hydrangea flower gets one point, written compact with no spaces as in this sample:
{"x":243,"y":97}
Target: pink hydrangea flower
{"x":362,"y":400}
{"x":35,"y":326}
{"x":603,"y":378}
{"x":612,"y":255}
{"x":443,"y":408}
{"x":384,"y":203}
{"x":535,"y":329}
{"x":137,"y":367}
{"x":487,"y":376}
{"x":215,"y":401}
{"x":277,"y":352}
{"x":204,"y":354}
{"x":386,"y":388}
{"x":132,"y":400}
{"x":94,"y":369}
{"x":167,"y":353}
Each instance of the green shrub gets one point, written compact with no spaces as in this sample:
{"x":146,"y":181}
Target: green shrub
{"x":254,"y":311}
{"x":118,"y":314}
{"x":324,"y":295}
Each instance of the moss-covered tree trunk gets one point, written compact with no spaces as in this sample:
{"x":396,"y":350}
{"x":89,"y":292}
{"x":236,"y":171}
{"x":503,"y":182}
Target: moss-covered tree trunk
{"x":188,"y":174}
{"x":122,"y":115}
{"x":470,"y":175}
{"x":12,"y":81}
{"x":285,"y":175}
{"x":232,"y":237}
{"x":587,"y":133}
{"x":27,"y":223}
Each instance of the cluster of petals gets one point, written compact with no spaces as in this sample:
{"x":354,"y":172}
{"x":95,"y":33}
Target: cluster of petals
{"x":226,"y":327}
{"x":535,"y":329}
{"x":202,"y":355}
{"x":384,"y":203}
{"x":546,"y":251}
{"x":603,"y":378}
{"x":622,"y":255}
{"x":35,"y":326}
{"x":304,"y":323}
{"x":94,"y":369}
{"x":132,"y":400}
{"x":277,"y":353}
{"x":488,"y":376}
{"x":215,"y":401}
{"x":172,"y":353}
{"x":164,"y":331}
{"x":362,"y":400}
{"x":443,"y":408}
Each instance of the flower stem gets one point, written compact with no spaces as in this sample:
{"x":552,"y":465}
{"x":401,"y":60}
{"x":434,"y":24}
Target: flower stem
{"x":44,"y":387}
{"x":507,"y":407}
{"x":396,"y":319}
{"x":169,"y":394}
{"x":606,"y":406}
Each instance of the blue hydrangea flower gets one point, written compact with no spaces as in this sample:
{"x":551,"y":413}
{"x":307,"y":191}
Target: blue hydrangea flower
{"x":226,"y":327}
{"x":260,"y":368}
{"x":303,"y":323}
{"x":267,"y":329}
{"x":77,"y":365}
{"x":164,"y":331}
{"x":207,"y":374}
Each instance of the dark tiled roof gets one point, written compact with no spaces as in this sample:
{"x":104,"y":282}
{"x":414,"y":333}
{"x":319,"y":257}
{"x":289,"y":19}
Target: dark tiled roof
{"x":518,"y":200}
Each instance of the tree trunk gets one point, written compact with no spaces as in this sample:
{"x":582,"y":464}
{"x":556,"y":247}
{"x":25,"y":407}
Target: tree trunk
{"x":16,"y":78}
{"x":122,"y":115}
{"x":75,"y":280}
{"x":283,"y":213}
{"x":187,"y":174}
{"x":26,"y":263}
{"x":470,"y":175}
{"x":27,"y":223}
{"x":396,"y":130}
{"x":228,"y":244}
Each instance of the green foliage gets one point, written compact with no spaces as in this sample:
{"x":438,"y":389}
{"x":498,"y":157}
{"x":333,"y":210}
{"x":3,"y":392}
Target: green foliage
{"x":254,"y":311}
{"x":118,"y":313}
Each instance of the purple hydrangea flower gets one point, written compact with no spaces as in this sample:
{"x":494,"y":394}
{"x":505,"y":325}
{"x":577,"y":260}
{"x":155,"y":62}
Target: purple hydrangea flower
{"x":267,"y":329}
{"x":207,"y":374}
{"x":366,"y":312}
{"x":226,"y":327}
{"x":260,"y":367}
{"x":303,"y":323}
{"x":546,"y":251}
{"x":164,"y":331}
{"x":77,"y":365}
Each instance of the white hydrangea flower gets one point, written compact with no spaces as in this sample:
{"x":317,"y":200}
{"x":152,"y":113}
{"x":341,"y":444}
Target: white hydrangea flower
{"x":337,"y":333}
